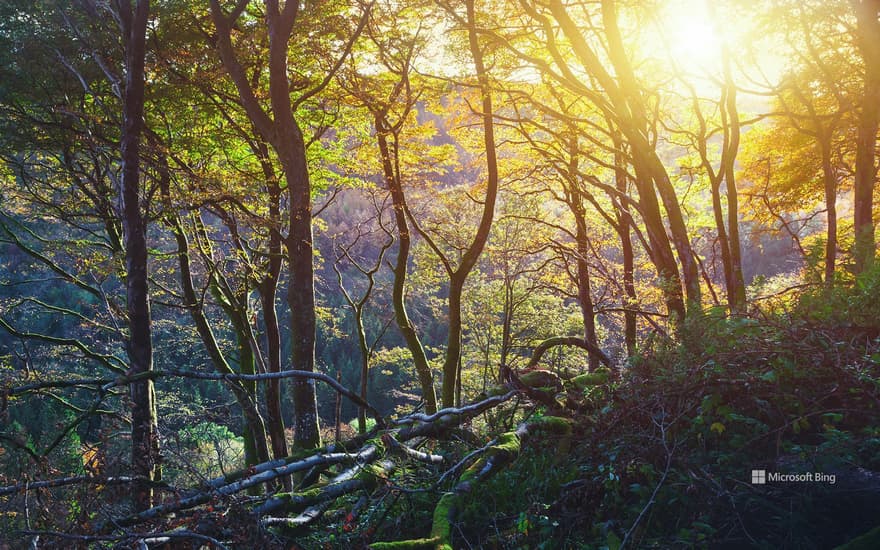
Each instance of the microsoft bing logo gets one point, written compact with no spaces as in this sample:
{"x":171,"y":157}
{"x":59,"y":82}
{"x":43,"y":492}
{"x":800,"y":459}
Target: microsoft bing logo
{"x":759,"y":477}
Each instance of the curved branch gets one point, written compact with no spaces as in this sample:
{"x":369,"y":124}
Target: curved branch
{"x":567,"y":341}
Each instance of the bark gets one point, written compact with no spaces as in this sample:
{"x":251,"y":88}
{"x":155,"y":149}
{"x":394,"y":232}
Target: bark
{"x":301,"y":293}
{"x":566,"y":341}
{"x":829,"y":178}
{"x":268,"y":288}
{"x":623,"y":224}
{"x":499,"y":453}
{"x":868,"y":41}
{"x":736,"y":287}
{"x":145,"y":458}
{"x":582,"y":242}
{"x":246,"y":399}
{"x":651,"y":177}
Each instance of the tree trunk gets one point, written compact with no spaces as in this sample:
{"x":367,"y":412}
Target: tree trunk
{"x":830,"y":180}
{"x":398,"y":297}
{"x":268,"y":288}
{"x":145,"y":458}
{"x":301,"y":294}
{"x":868,"y":41}
{"x":453,"y":341}
{"x":630,"y":119}
{"x":575,"y":202}
{"x":635,"y":128}
{"x":246,"y":399}
{"x":629,"y":287}
{"x":452,"y":361}
{"x":736,"y":287}
{"x":365,"y":365}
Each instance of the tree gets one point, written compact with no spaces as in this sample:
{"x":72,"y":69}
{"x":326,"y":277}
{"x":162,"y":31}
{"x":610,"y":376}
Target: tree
{"x":458,"y":274}
{"x":391,"y":99}
{"x":278,"y":126}
{"x":145,"y":457}
{"x":867,"y":14}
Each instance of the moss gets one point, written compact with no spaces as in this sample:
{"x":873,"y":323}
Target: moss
{"x":557,"y":426}
{"x":553,"y":424}
{"x":414,"y":544}
{"x":506,"y":449}
{"x":542,"y":380}
{"x":441,"y":529}
{"x":583,"y":381}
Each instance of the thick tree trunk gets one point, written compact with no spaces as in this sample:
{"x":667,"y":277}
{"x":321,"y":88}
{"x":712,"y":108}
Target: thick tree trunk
{"x":868,"y":40}
{"x":398,"y":297}
{"x":301,"y":295}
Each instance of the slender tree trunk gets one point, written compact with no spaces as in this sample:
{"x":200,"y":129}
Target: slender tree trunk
{"x":651,"y":177}
{"x":661,"y":250}
{"x":506,"y":329}
{"x":268,"y":288}
{"x":868,"y":40}
{"x":453,"y":341}
{"x":736,"y":288}
{"x":582,"y":244}
{"x":629,"y":287}
{"x":830,"y":179}
{"x":145,"y":458}
{"x":338,"y":408}
{"x":256,"y":444}
{"x":452,"y":361}
{"x":723,"y":241}
{"x":365,"y":365}
{"x":246,"y":399}
{"x":584,"y":291}
{"x":678,"y":230}
{"x":398,"y":297}
{"x":635,"y":129}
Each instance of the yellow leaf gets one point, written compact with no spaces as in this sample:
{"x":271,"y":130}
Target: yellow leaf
{"x":717,"y":427}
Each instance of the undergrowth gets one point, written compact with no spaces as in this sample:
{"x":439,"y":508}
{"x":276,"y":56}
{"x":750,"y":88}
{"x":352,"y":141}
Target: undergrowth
{"x":665,"y":458}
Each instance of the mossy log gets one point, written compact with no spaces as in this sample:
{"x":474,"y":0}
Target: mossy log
{"x":502,"y":451}
{"x":369,"y":451}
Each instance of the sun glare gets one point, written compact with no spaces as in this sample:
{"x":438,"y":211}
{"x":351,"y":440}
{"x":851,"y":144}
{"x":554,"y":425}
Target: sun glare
{"x":691,"y":37}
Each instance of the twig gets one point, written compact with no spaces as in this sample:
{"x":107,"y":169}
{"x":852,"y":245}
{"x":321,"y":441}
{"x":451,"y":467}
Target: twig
{"x":669,"y":453}
{"x":73,"y":480}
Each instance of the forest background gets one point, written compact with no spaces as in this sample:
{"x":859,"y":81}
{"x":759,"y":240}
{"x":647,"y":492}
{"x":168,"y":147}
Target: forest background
{"x":631,"y":243}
